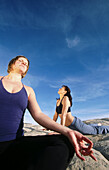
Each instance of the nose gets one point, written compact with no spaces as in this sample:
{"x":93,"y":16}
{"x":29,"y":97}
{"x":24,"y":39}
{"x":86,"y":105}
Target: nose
{"x":24,"y":63}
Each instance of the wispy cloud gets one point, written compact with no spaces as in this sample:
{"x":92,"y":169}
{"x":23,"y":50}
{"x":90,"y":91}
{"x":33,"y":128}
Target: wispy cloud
{"x":21,"y":15}
{"x":72,"y":82}
{"x":85,"y":87}
{"x":66,"y":80}
{"x":72,"y":42}
{"x":90,"y":113}
{"x":33,"y":80}
{"x":91,"y":91}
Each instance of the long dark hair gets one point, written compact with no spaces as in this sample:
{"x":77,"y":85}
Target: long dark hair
{"x":68,"y":93}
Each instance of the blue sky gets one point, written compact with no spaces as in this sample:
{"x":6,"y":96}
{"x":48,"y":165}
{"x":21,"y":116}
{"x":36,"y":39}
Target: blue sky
{"x":67,"y":42}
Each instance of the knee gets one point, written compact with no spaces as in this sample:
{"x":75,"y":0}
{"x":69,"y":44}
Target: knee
{"x":67,"y":148}
{"x":62,"y":147}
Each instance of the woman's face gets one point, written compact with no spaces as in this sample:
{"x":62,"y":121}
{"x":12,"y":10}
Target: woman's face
{"x":21,"y":64}
{"x":62,"y":90}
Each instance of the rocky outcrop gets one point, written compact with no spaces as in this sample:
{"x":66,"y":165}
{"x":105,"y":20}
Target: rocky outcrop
{"x":101,"y":147}
{"x":101,"y":164}
{"x":101,"y":142}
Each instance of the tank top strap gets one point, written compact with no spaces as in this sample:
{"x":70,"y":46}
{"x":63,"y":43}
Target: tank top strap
{"x":2,"y":78}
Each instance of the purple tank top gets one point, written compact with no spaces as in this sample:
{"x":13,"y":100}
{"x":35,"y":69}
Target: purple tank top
{"x":12,"y":109}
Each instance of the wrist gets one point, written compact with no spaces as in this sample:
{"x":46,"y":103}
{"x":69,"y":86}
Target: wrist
{"x":67,"y":131}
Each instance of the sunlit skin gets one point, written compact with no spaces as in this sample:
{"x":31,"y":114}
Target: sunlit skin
{"x":66,"y":117}
{"x":12,"y":83}
{"x":20,"y":65}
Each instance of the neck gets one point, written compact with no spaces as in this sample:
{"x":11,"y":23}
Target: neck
{"x":14,"y":77}
{"x":61,"y":96}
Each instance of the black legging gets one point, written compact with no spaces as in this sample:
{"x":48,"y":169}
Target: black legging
{"x":51,"y":152}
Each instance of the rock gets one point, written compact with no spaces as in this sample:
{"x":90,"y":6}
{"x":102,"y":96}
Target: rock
{"x":103,"y":121}
{"x":101,"y":163}
{"x":101,"y":147}
{"x":101,"y":142}
{"x":33,"y":130}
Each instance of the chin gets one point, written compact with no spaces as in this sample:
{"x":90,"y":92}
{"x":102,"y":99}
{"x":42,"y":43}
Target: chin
{"x":22,"y":69}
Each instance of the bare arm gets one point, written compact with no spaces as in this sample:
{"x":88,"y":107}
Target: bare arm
{"x":55,"y":117}
{"x":65,"y":107}
{"x":75,"y":138}
{"x":40,"y":117}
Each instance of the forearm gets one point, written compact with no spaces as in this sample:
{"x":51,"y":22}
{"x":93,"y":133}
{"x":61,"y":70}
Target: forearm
{"x":63,"y":119}
{"x":75,"y":138}
{"x":48,"y":123}
{"x":54,"y":118}
{"x":43,"y":119}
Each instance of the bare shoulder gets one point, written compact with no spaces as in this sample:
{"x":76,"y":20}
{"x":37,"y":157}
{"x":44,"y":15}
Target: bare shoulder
{"x":1,"y":77}
{"x":29,"y":90}
{"x":66,"y":100}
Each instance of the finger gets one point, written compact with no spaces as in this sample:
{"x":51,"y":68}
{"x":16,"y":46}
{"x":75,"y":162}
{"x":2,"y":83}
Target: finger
{"x":77,"y":148}
{"x":88,"y":153}
{"x":74,"y":141}
{"x":93,"y":157}
{"x":88,"y":141}
{"x":83,"y":147}
{"x":79,"y":156}
{"x":82,"y":144}
{"x":85,"y":152}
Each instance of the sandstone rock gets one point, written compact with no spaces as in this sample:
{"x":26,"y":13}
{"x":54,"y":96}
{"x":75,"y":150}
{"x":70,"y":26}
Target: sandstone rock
{"x":101,"y":142}
{"x":33,"y":130}
{"x":89,"y":164}
{"x":101,"y":147}
{"x":103,"y":121}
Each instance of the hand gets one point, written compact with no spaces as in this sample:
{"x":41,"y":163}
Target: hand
{"x":78,"y":140}
{"x":53,"y":133}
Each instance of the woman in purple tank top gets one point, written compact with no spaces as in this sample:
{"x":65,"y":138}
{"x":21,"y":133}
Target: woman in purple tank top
{"x":20,"y":152}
